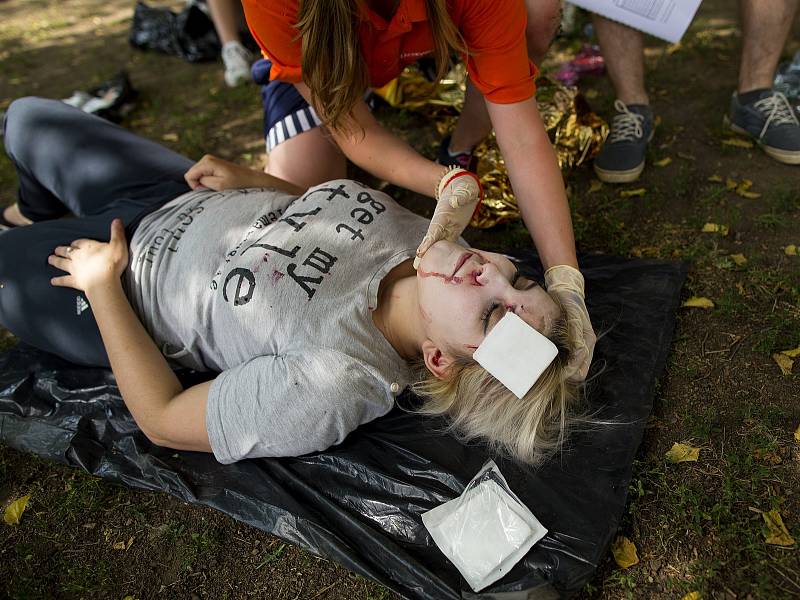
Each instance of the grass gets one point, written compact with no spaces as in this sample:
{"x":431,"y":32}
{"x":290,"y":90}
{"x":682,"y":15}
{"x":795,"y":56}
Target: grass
{"x":717,"y":506}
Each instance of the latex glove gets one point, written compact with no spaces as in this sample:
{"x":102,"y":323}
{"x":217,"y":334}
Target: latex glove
{"x":458,"y":196}
{"x":567,"y":284}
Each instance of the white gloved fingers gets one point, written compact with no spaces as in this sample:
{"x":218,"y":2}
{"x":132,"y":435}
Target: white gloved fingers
{"x":458,"y":193}
{"x":581,"y":357}
{"x":566,"y":283}
{"x":464,"y":191}
{"x":564,"y":278}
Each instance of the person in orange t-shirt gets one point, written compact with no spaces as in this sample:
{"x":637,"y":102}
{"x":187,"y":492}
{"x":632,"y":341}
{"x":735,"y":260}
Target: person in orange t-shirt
{"x":323,"y":55}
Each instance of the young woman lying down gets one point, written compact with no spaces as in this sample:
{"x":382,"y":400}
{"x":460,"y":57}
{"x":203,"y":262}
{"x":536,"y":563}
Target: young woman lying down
{"x":306,"y":304}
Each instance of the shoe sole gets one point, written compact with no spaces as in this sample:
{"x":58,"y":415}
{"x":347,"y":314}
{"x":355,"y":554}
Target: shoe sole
{"x":619,"y":176}
{"x":787,"y":157}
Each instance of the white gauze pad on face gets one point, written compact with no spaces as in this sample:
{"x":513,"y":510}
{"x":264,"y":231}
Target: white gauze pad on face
{"x":515,"y":354}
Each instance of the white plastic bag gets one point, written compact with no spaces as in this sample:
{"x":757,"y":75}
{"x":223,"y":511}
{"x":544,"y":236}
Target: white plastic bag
{"x":486,"y":530}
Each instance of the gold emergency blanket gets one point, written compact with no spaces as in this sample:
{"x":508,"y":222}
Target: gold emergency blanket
{"x":576,"y":133}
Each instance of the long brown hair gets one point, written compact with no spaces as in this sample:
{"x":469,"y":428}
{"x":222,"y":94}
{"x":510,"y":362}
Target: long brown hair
{"x":332,"y":64}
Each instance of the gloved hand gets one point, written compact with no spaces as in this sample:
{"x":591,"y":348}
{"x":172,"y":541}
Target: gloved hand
{"x":567,"y":284}
{"x":458,"y":196}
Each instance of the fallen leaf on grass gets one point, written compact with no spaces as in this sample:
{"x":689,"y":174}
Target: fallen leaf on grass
{"x":767,"y":456}
{"x":738,"y":259}
{"x":595,"y":185}
{"x":738,"y":142}
{"x":715,"y":228}
{"x":784,"y":362}
{"x":663,"y":162}
{"x":776,"y":532}
{"x":14,"y":510}
{"x":715,"y":179}
{"x":743,"y":190}
{"x":793,"y":353}
{"x":624,"y":552}
{"x":790,"y":250}
{"x":797,"y":434}
{"x":686,"y":156}
{"x":123,"y":545}
{"x":632,"y":193}
{"x":640,"y":251}
{"x":731,"y":184}
{"x":697,"y":302}
{"x":682,"y":453}
{"x":692,"y":596}
{"x":170,"y":137}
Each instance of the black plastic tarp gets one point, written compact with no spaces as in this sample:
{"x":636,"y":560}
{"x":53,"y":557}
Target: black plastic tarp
{"x":189,"y":34}
{"x":360,"y":503}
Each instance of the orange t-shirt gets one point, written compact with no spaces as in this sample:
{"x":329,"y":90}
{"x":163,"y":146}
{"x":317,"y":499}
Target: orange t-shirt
{"x":493,"y":30}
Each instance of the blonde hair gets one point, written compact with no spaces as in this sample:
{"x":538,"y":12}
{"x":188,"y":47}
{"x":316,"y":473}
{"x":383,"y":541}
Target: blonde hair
{"x":332,"y":64}
{"x":478,"y":406}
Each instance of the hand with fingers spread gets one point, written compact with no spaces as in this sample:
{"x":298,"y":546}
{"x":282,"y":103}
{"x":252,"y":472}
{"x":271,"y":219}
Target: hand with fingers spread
{"x":458,"y":196}
{"x":218,"y":174}
{"x":91,"y":264}
{"x":566,"y":283}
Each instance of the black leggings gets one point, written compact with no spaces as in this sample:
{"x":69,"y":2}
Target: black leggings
{"x":68,"y":161}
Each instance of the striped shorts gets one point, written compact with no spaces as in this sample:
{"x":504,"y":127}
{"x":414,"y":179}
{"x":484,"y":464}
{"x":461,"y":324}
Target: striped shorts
{"x":286,"y":113}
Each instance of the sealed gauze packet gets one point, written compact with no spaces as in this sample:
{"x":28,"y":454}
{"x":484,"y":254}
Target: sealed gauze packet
{"x":486,"y":530}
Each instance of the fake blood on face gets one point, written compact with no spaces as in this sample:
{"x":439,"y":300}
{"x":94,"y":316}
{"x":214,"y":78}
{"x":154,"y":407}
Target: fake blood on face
{"x":445,"y":278}
{"x":471,"y":278}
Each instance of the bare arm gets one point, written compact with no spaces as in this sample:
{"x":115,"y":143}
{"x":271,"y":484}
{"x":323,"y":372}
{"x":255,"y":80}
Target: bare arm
{"x":166,"y":413}
{"x":536,"y":178}
{"x":383,"y":154}
{"x":218,"y":174}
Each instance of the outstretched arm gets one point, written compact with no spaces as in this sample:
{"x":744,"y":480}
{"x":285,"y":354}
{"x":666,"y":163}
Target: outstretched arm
{"x":166,"y":413}
{"x":539,"y":188}
{"x":381,"y":153}
{"x":218,"y":174}
{"x":536,"y":179}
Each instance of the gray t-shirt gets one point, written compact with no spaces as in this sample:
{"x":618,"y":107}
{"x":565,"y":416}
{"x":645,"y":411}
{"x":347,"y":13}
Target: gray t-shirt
{"x":276,"y":292}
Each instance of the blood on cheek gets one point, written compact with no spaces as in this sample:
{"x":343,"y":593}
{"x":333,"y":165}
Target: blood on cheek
{"x":471,"y":278}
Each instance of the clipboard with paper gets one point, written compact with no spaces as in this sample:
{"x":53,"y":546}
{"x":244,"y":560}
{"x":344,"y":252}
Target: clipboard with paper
{"x":665,"y":19}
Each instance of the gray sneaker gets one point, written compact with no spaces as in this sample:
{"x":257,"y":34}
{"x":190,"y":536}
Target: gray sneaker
{"x":772,"y":122}
{"x":621,"y":159}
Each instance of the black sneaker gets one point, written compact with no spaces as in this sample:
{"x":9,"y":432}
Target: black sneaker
{"x":465,"y":160}
{"x":111,"y":100}
{"x":621,"y":159}
{"x":771,"y":122}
